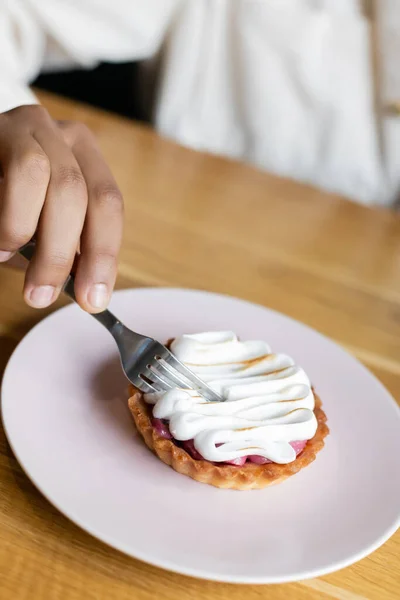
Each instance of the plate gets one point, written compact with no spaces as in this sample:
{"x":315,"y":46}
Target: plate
{"x":66,"y":417}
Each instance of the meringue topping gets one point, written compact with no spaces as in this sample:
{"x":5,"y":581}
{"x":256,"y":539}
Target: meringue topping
{"x":269,"y":401}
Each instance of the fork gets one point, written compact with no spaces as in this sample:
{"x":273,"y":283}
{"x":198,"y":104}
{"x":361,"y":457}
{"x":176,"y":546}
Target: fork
{"x":148,"y":365}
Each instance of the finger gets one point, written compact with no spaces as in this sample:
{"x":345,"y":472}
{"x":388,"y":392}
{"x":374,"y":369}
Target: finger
{"x":23,"y":187}
{"x":102,"y":232}
{"x":60,"y":223}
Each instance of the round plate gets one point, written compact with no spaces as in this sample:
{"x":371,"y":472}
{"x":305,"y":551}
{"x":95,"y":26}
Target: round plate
{"x":64,"y":405}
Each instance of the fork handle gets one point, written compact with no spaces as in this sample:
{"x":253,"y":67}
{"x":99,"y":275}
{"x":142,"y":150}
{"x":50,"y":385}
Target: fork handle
{"x":106,"y":318}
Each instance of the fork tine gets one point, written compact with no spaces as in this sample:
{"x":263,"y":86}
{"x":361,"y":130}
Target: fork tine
{"x":173,"y":374}
{"x":145,"y":386}
{"x":162,"y":382}
{"x":195,"y":381}
{"x":145,"y":382}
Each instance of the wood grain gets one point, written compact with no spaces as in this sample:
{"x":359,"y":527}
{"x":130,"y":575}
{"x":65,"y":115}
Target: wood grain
{"x":199,"y":221}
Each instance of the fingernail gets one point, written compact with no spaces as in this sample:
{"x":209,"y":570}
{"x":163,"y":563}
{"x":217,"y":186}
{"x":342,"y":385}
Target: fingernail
{"x":98,"y":296}
{"x":41,"y":296}
{"x":5,"y":255}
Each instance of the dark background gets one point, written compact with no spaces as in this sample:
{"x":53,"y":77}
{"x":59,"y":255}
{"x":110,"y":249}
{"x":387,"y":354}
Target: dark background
{"x":108,"y":86}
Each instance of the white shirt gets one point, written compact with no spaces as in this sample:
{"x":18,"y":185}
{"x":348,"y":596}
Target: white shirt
{"x":288,"y":85}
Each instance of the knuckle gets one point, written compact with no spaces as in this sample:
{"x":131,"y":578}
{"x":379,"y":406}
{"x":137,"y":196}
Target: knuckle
{"x":70,"y":176}
{"x":57,"y":261}
{"x":30,"y":112}
{"x":74,"y":129}
{"x":105,"y":257}
{"x":35,"y":165}
{"x":81,"y":129}
{"x":109,"y":198}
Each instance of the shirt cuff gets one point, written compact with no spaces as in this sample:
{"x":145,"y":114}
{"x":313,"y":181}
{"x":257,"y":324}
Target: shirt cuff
{"x":13,"y":94}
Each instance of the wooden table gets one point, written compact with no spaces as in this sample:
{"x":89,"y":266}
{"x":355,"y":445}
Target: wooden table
{"x":203,"y":222}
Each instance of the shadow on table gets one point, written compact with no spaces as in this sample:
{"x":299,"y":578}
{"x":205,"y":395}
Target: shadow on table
{"x":110,"y":395}
{"x":7,"y":347}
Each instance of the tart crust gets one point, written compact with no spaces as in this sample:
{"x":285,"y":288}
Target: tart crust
{"x":248,"y":477}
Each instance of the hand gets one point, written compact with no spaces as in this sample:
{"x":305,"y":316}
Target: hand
{"x":56,"y":185}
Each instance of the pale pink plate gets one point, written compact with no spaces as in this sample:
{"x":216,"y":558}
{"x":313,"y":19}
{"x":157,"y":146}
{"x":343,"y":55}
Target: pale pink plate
{"x":65,"y":413}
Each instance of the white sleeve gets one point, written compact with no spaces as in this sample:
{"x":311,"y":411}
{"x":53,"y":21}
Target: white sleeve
{"x":20,"y":54}
{"x":84,"y":32}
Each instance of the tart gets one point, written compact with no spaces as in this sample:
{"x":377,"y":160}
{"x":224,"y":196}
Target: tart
{"x":265,"y":392}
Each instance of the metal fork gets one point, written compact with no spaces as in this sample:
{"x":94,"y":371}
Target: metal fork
{"x":148,"y":365}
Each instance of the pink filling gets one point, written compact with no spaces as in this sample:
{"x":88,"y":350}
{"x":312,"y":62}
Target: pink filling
{"x":162,"y":429}
{"x":190,"y":449}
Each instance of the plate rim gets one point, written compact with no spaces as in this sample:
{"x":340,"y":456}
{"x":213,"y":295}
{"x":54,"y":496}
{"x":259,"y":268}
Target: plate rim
{"x":166,"y":564}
